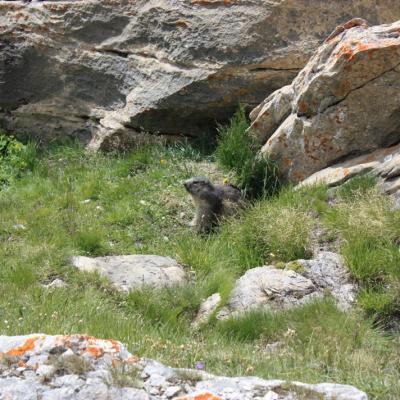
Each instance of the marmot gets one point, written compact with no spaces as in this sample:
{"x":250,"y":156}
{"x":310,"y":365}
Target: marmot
{"x":212,"y":202}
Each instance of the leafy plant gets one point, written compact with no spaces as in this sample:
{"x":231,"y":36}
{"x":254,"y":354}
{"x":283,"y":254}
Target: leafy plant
{"x":255,"y":175}
{"x":15,"y":157}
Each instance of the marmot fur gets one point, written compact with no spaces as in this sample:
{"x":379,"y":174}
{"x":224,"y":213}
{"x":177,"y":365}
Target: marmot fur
{"x":212,"y":202}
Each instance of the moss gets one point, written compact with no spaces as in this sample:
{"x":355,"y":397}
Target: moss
{"x":280,"y":265}
{"x":295,"y":266}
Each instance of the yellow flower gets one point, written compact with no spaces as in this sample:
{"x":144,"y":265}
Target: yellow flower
{"x":163,"y":162}
{"x":226,"y":180}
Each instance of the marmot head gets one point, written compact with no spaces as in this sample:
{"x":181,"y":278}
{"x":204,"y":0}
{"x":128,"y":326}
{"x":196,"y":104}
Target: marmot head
{"x":197,"y":185}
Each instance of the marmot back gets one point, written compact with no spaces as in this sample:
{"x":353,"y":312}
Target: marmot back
{"x":212,"y":202}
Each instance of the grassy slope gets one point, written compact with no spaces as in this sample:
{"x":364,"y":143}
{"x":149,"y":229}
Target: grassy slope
{"x":138,"y":205}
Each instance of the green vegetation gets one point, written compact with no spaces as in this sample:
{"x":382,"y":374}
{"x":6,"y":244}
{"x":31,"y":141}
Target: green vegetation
{"x":237,"y":151}
{"x":15,"y":158}
{"x":72,"y":203}
{"x":370,"y":232}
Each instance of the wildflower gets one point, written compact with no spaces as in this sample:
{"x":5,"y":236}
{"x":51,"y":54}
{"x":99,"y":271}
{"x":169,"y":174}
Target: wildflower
{"x":199,"y":365}
{"x":163,"y":162}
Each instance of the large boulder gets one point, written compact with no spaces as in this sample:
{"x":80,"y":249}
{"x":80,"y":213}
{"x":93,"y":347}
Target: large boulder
{"x":345,"y":102}
{"x":134,"y":271}
{"x":81,"y":367}
{"x":109,"y":71}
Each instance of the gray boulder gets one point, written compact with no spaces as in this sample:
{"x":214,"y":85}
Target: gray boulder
{"x":108,"y":72}
{"x":134,"y":271}
{"x":292,"y":284}
{"x":345,"y":102}
{"x":81,"y":367}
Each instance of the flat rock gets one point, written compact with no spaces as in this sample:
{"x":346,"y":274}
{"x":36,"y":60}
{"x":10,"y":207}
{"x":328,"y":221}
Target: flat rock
{"x":106,"y":72}
{"x":134,"y":271}
{"x":97,"y":359}
{"x":382,"y":163}
{"x":344,"y":102}
{"x":281,"y":288}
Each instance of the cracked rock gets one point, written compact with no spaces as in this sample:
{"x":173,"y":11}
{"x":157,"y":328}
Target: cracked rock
{"x":344,"y":102}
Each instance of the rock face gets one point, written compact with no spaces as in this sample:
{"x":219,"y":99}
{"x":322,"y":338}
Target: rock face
{"x":345,"y":102}
{"x":79,"y":367}
{"x":134,"y":271}
{"x":108,"y":71}
{"x":297,"y":283}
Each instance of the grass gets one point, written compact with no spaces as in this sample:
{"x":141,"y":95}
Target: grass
{"x":72,"y":203}
{"x":370,"y":233}
{"x":237,"y":151}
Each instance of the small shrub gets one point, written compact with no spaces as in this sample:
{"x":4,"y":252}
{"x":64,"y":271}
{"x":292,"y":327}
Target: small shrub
{"x":15,"y":157}
{"x":237,"y":151}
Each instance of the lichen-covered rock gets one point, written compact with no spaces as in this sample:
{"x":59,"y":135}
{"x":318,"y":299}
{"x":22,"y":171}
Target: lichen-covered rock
{"x":382,"y":163}
{"x":107,"y":71}
{"x":344,"y":102}
{"x":292,"y":284}
{"x":134,"y":271}
{"x":80,"y":367}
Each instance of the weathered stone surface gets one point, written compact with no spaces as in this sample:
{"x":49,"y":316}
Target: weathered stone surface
{"x":383,"y":163}
{"x":107,"y":71}
{"x":327,"y":271}
{"x":134,"y":271}
{"x":207,"y":308}
{"x":344,"y":102}
{"x":99,"y":360}
{"x":297,"y":283}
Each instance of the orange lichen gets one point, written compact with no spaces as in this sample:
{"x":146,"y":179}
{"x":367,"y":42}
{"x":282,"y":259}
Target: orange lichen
{"x":115,"y":345}
{"x":29,"y":344}
{"x":303,"y":107}
{"x":21,"y":364}
{"x":201,"y":396}
{"x":207,"y":396}
{"x":132,"y":360}
{"x":345,"y":51}
{"x":298,"y":177}
{"x":95,"y":351}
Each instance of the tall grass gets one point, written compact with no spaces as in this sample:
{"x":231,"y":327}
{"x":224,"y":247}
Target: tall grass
{"x":236,"y":150}
{"x":370,"y":232}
